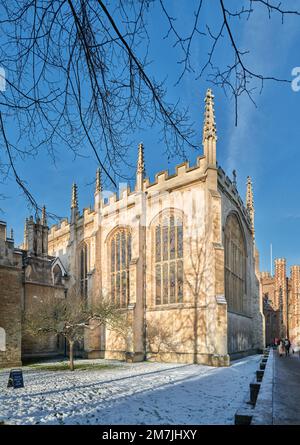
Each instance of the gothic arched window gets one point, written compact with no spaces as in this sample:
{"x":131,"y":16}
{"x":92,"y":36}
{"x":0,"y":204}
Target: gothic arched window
{"x":120,"y":256}
{"x":83,"y":264}
{"x":235,"y":265}
{"x":169,"y":260}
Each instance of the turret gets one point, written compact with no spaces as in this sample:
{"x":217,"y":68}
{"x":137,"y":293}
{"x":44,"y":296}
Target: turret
{"x":36,"y":236}
{"x":281,"y":294}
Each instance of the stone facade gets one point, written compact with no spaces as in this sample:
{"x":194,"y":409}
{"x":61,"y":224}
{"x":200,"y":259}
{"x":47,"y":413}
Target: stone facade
{"x":171,"y":286}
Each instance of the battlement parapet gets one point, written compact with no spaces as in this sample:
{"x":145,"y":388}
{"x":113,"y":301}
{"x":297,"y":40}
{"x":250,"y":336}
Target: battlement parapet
{"x":183,"y":171}
{"x":59,"y":229}
{"x":265,"y":275}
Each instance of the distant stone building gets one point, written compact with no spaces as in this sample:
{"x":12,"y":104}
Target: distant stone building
{"x":27,"y":274}
{"x":44,"y":278}
{"x":176,"y":255}
{"x":281,"y":302}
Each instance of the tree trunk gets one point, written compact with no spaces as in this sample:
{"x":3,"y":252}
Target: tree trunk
{"x":71,"y":344}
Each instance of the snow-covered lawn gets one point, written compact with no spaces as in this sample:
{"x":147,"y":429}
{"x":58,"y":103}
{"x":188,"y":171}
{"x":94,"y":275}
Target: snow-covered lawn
{"x":139,"y":393}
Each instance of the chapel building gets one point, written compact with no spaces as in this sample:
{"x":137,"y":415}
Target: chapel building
{"x":176,"y":255}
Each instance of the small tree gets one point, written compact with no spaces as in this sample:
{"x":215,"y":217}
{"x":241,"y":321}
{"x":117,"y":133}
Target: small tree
{"x":160,"y":339}
{"x":70,"y":317}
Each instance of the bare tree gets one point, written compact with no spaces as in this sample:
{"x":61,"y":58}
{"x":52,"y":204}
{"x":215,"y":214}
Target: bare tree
{"x":77,"y":75}
{"x":70,"y":318}
{"x":160,"y":339}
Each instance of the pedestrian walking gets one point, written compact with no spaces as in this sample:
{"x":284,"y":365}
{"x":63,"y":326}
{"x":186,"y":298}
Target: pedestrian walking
{"x":281,"y":349}
{"x":287,"y":346}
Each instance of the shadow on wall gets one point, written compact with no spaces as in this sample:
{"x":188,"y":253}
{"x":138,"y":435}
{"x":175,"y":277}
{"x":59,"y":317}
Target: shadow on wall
{"x":191,"y":330}
{"x":240,"y":336}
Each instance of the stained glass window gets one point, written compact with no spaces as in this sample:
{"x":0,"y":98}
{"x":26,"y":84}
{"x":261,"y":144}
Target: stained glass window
{"x":158,"y":243}
{"x":120,"y":246}
{"x":83,"y":260}
{"x":169,"y":261}
{"x":158,"y":284}
{"x":235,"y":265}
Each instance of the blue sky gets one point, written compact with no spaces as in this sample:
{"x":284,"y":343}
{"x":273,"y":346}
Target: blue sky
{"x":264,"y":145}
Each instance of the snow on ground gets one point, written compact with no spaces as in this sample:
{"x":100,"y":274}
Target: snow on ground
{"x":138,"y":393}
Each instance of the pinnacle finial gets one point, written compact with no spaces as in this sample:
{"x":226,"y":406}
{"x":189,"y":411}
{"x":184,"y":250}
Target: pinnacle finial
{"x":11,"y":234}
{"x":44,"y":216}
{"x":74,"y":201}
{"x":209,"y":126}
{"x":234,"y":176}
{"x":249,"y":197}
{"x":250,"y":202}
{"x":98,"y":181}
{"x":141,"y":162}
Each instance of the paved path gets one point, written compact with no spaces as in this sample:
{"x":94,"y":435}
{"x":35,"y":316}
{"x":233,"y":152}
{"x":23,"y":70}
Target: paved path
{"x":286,"y":391}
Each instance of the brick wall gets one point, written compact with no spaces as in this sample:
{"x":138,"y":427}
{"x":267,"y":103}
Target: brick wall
{"x":294,"y":305}
{"x":281,"y":294}
{"x":10,"y":314}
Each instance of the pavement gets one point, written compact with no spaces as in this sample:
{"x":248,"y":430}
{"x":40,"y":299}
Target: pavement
{"x":286,"y":390}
